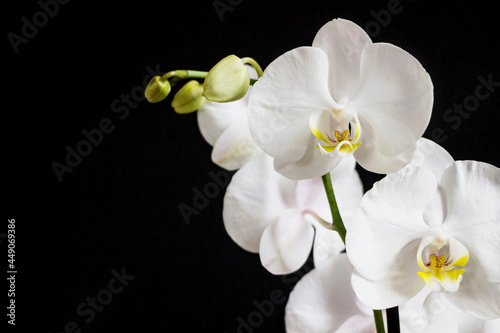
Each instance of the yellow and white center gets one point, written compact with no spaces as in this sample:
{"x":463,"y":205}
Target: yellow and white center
{"x":338,"y":129}
{"x":437,"y":256}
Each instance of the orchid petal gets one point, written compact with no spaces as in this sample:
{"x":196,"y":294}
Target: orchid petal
{"x":395,"y":98}
{"x":400,"y":284}
{"x":473,"y":211}
{"x":286,"y":244}
{"x":313,"y":164}
{"x":371,"y":158}
{"x":476,"y":296}
{"x":235,"y":146}
{"x":214,"y":118}
{"x":343,"y":41}
{"x":436,"y":159}
{"x":327,"y":243}
{"x":491,"y":326}
{"x":432,"y":156}
{"x":322,"y":301}
{"x":348,"y":187}
{"x":432,"y":312}
{"x":380,"y":228}
{"x":248,"y":208}
{"x":292,"y":86}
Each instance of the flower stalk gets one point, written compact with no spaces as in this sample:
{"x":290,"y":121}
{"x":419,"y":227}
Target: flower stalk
{"x":338,"y":225}
{"x":379,"y":321}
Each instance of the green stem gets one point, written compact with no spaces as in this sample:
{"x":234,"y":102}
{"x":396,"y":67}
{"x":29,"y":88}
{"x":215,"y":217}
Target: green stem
{"x":379,"y":321}
{"x":178,"y":75}
{"x":339,"y":226}
{"x":337,"y":219}
{"x":254,"y":64}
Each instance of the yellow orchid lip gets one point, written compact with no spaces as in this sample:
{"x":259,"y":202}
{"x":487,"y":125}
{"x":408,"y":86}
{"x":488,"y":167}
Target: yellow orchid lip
{"x":444,"y":253}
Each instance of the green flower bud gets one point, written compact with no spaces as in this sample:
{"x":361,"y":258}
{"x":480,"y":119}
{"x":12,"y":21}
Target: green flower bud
{"x":157,"y":90}
{"x":227,"y":81}
{"x":189,"y":98}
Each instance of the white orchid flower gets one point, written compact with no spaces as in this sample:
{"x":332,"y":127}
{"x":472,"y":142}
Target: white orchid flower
{"x":225,"y":127}
{"x":434,"y":224}
{"x":281,"y":218}
{"x":323,"y":302}
{"x":342,"y":96}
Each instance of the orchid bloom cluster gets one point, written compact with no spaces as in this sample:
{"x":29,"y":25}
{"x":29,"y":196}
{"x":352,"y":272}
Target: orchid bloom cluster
{"x":424,"y":239}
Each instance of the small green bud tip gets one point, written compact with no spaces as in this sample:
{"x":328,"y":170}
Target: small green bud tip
{"x":227,"y":81}
{"x":189,"y":98}
{"x":157,"y":90}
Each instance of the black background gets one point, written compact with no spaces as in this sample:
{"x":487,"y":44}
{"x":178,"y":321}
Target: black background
{"x":119,"y":207}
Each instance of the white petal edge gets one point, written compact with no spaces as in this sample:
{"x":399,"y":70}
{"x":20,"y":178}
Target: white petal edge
{"x":235,"y":146}
{"x":387,"y":219}
{"x":343,"y":41}
{"x":254,"y":200}
{"x":214,"y":118}
{"x":400,"y":284}
{"x":473,"y":211}
{"x":322,"y":300}
{"x":291,"y":88}
{"x":286,"y":244}
{"x":396,"y":97}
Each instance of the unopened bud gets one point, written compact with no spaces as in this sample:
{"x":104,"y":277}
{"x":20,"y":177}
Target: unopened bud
{"x":189,"y":99}
{"x":157,"y":90}
{"x":227,"y":81}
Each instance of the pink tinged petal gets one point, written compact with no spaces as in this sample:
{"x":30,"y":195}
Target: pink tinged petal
{"x":476,"y":296}
{"x":312,"y":165}
{"x":235,"y":146}
{"x":387,"y":219}
{"x":323,"y":302}
{"x":311,"y":195}
{"x":291,"y":88}
{"x":254,"y":200}
{"x":348,"y":188}
{"x":214,"y":118}
{"x":473,"y":211}
{"x":343,"y":41}
{"x":286,"y":244}
{"x":395,"y":98}
{"x":400,"y":284}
